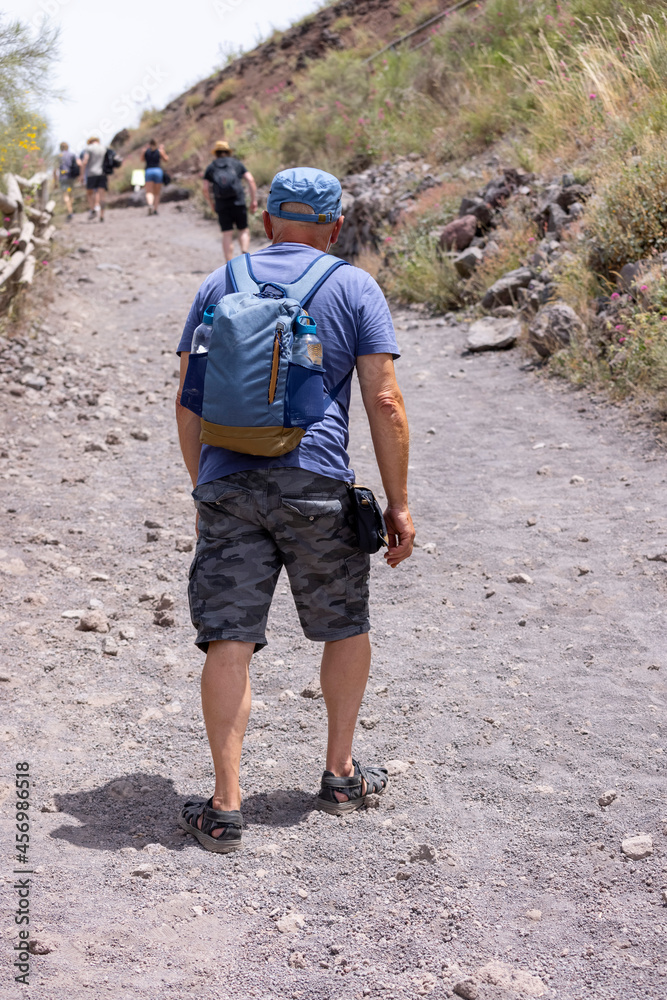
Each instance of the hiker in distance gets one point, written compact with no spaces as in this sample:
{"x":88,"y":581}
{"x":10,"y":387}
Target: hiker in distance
{"x":65,"y":172}
{"x":273,"y":486}
{"x":94,"y":178}
{"x":223,"y":190}
{"x":155,"y":176}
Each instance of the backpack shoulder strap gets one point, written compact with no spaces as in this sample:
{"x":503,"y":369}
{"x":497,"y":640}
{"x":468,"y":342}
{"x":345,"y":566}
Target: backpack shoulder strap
{"x":303,"y":289}
{"x":313,"y":277}
{"x":241,"y":274}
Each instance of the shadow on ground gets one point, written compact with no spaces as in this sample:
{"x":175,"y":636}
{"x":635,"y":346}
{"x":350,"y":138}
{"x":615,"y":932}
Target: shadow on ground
{"x":137,"y":809}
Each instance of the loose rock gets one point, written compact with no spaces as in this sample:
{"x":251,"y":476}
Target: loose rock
{"x":312,"y":689}
{"x":637,"y":847}
{"x":467,"y":989}
{"x":290,"y":923}
{"x":504,"y":291}
{"x":459,"y":233}
{"x":93,"y":621}
{"x":424,"y":852}
{"x":467,"y":261}
{"x":492,"y":334}
{"x":607,"y":798}
{"x":184,"y":544}
{"x":554,"y":327}
{"x":395,"y":767}
{"x":110,"y":646}
{"x":164,"y":618}
{"x":519,"y":578}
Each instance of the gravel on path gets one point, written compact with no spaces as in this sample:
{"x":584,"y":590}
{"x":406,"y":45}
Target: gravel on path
{"x":517,"y":691}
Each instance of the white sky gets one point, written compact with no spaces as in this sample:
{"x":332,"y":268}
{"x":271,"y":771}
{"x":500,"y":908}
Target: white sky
{"x":120,"y":57}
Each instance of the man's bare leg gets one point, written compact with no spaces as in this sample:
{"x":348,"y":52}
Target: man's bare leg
{"x":225,"y":698}
{"x":228,"y":244}
{"x":343,"y":676}
{"x":244,"y":240}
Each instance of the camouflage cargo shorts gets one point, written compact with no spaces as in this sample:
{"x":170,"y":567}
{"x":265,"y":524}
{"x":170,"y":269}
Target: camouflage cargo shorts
{"x":251,"y":524}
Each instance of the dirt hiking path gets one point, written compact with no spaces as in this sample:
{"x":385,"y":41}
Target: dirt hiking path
{"x":504,"y":709}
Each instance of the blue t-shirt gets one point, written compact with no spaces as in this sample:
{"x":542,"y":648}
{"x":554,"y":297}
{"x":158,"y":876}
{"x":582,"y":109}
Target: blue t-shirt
{"x":352,"y":318}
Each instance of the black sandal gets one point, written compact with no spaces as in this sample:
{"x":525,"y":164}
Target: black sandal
{"x":376,"y":778}
{"x":231,"y":824}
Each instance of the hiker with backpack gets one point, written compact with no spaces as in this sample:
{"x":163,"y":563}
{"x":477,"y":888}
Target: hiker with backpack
{"x":267,"y":357}
{"x":223,"y":190}
{"x":94,"y":177}
{"x":155,"y":175}
{"x":66,"y":171}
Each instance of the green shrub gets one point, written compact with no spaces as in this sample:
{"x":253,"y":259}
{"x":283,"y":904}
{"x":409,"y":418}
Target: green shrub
{"x":225,"y":92}
{"x":418,"y":272}
{"x":627,"y":221}
{"x":192,"y":102}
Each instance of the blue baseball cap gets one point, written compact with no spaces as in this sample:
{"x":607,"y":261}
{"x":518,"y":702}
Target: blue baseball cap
{"x":317,"y":188}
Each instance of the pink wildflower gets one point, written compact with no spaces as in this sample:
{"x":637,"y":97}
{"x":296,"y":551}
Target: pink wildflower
{"x":643,"y":288}
{"x":592,"y":96}
{"x":615,"y":295}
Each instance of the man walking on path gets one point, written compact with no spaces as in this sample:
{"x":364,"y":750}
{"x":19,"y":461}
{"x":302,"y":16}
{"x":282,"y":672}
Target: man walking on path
{"x":257,"y":514}
{"x":94,"y":178}
{"x":67,"y":168}
{"x":223,"y":190}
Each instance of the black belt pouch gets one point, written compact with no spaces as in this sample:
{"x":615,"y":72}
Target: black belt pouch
{"x":368,"y":520}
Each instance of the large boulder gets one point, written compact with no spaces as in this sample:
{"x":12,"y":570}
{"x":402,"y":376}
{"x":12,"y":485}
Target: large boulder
{"x":572,"y":193}
{"x":554,"y":328}
{"x":497,"y":193}
{"x":556,"y":219}
{"x":459,"y":233}
{"x":632,"y":274}
{"x":131,"y":199}
{"x":504,"y":291}
{"x":173,"y":192}
{"x":467,"y":261}
{"x":492,"y":334}
{"x":137,"y":199}
{"x":479,"y":208}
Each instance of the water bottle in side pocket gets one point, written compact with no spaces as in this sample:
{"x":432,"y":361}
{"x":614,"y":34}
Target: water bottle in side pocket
{"x":304,"y":395}
{"x":192,"y":393}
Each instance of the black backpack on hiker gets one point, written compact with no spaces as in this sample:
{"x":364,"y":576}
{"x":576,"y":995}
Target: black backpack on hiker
{"x":226,"y":181}
{"x":111,"y":161}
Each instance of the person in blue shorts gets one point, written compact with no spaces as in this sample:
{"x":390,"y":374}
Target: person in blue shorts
{"x":153,"y":156}
{"x":257,"y":515}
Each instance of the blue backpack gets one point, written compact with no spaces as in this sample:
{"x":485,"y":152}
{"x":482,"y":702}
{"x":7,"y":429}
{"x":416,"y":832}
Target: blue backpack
{"x":250,"y":393}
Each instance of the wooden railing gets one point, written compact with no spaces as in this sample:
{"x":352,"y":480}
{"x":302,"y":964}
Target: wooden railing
{"x":29,"y":210}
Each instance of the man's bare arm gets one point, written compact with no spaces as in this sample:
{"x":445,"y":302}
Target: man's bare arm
{"x":389,"y":430}
{"x":189,"y":425}
{"x":253,"y":190}
{"x":208,"y":196}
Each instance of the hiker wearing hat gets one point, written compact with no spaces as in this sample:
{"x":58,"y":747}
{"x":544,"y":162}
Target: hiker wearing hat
{"x":273,"y":489}
{"x":223,"y":190}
